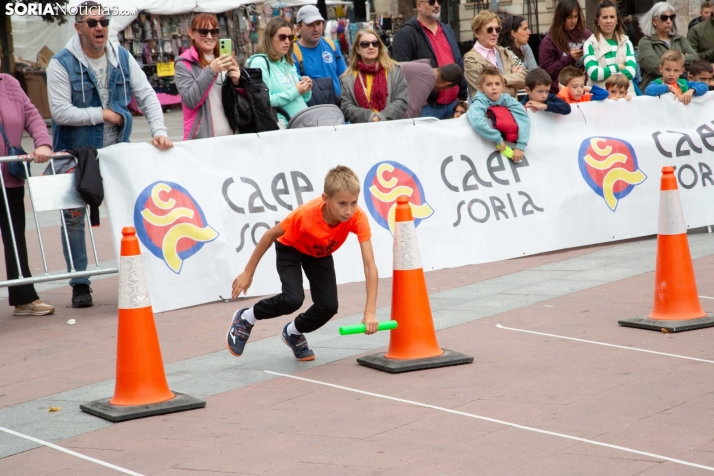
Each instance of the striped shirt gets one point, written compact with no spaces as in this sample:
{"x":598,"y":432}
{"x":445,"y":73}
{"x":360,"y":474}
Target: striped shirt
{"x":596,"y":72}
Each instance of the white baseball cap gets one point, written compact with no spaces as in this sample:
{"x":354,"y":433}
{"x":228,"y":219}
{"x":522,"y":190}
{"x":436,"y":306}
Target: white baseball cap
{"x":309,"y":14}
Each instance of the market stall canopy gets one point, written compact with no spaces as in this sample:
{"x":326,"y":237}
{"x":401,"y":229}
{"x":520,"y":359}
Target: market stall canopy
{"x":299,"y":3}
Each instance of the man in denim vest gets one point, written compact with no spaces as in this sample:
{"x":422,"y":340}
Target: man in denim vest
{"x":90,"y":85}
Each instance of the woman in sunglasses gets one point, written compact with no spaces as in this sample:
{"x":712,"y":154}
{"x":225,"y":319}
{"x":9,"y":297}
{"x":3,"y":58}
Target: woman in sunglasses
{"x":563,"y":45}
{"x":199,"y":74}
{"x":288,"y":91}
{"x":486,"y":52}
{"x":659,"y":25}
{"x":373,"y":86}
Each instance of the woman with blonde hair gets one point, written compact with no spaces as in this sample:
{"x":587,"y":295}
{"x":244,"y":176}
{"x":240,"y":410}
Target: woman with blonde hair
{"x":287,"y":90}
{"x":373,"y":86}
{"x":486,"y":52}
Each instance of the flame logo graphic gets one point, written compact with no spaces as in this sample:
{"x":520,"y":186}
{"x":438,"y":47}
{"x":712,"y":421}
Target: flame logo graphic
{"x":388,"y":180}
{"x":170,"y":223}
{"x":610,"y":167}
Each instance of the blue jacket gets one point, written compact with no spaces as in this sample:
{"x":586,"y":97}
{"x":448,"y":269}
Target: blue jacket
{"x":477,"y":118}
{"x":554,"y":103}
{"x":657,"y":87}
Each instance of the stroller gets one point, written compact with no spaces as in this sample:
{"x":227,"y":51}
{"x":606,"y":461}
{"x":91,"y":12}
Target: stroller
{"x":316,"y":116}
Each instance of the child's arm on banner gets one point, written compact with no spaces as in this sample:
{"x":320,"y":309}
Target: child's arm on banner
{"x":245,"y":279}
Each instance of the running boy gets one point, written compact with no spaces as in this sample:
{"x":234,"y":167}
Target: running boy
{"x":672,"y":67}
{"x":538,"y":95}
{"x":490,"y":93}
{"x":702,"y":71}
{"x":574,"y":89}
{"x":306,"y":239}
{"x":617,"y":86}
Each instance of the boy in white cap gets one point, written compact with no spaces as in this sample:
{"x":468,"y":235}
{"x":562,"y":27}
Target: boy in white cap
{"x":316,"y":56}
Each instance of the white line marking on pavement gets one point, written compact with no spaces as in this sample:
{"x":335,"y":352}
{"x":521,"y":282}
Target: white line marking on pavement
{"x":500,"y":422}
{"x":605,"y":344}
{"x":70,"y":452}
{"x":706,"y":297}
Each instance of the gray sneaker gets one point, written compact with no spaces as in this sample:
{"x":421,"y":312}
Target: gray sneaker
{"x":298,"y":344}
{"x":238,"y":333}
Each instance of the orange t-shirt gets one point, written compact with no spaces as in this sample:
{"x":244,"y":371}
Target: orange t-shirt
{"x":306,"y":230}
{"x":564,"y":94}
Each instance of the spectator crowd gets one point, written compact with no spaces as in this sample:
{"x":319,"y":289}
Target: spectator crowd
{"x":304,"y":79}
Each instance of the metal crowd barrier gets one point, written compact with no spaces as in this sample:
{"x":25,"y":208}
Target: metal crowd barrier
{"x":48,"y":193}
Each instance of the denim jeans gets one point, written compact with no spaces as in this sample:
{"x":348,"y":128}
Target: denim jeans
{"x":439,"y":111}
{"x":74,"y":220}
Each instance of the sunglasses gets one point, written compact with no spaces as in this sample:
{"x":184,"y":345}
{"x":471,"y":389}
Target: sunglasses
{"x":491,"y":29}
{"x":432,"y":2}
{"x":92,"y":23}
{"x":283,"y":37}
{"x":367,"y":44}
{"x":664,"y":18}
{"x":205,"y":31}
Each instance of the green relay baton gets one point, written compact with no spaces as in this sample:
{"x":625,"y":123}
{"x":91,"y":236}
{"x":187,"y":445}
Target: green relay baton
{"x":361,"y":328}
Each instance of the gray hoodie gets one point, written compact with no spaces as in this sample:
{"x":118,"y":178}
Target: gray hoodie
{"x":59,"y":91}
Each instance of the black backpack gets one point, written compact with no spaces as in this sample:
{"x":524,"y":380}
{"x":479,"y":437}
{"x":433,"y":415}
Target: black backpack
{"x":247,"y":105}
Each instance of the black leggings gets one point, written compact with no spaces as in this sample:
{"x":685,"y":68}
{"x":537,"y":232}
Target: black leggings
{"x":320,"y":273}
{"x":25,"y":293}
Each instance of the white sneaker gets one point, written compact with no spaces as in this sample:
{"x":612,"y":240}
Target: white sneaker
{"x":35,"y":308}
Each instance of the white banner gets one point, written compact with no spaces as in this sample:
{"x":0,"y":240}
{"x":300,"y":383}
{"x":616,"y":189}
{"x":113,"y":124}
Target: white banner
{"x":590,"y":177}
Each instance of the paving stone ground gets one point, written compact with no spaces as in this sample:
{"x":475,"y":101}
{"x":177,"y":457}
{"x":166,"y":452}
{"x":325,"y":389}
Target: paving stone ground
{"x":258,"y":423}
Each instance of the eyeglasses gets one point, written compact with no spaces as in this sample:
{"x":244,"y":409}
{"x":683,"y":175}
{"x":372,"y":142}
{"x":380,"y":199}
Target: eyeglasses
{"x":664,"y":18}
{"x":205,"y":31}
{"x":282,"y":37}
{"x":92,"y":23}
{"x":367,"y":44}
{"x":491,"y":29}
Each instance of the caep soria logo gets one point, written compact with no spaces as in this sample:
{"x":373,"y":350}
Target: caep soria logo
{"x":170,"y":223}
{"x":610,"y":167}
{"x":385,"y":182}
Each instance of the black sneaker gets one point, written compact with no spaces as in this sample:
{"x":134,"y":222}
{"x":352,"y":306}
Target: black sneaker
{"x":81,"y":295}
{"x":298,"y":344}
{"x":238,"y":334}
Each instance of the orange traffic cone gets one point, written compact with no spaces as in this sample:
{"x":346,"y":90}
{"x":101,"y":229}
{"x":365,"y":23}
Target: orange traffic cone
{"x":676,"y":301}
{"x":413,"y":344}
{"x":141,"y":388}
{"x":414,"y":337}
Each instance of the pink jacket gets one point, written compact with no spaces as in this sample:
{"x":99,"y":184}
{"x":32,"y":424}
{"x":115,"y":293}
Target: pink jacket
{"x":194,"y":82}
{"x":17,"y":115}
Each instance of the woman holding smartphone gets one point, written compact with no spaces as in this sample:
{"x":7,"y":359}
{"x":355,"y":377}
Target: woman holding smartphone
{"x":563,"y":45}
{"x":288,"y":91}
{"x":199,"y":74}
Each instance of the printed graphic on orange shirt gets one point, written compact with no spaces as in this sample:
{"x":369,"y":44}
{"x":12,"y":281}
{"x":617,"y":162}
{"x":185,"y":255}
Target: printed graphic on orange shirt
{"x":385,"y":182}
{"x":171,"y":224}
{"x":610,"y":167}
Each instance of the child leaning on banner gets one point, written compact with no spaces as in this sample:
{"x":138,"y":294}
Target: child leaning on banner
{"x":306,"y":239}
{"x":574,"y":90}
{"x":539,"y":97}
{"x":617,"y":86}
{"x":702,"y":71}
{"x":672,"y":67}
{"x":490,"y":93}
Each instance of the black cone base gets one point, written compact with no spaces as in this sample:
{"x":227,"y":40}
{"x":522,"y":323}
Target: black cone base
{"x":644,"y":322}
{"x":114,"y":413}
{"x":395,"y":366}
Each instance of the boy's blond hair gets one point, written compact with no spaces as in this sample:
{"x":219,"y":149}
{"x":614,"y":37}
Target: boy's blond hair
{"x":673,"y":56}
{"x":488,"y":71}
{"x":619,"y":81}
{"x":341,"y":179}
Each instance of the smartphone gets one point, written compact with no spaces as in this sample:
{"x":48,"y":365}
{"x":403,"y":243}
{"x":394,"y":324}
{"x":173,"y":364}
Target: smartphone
{"x":225,"y":46}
